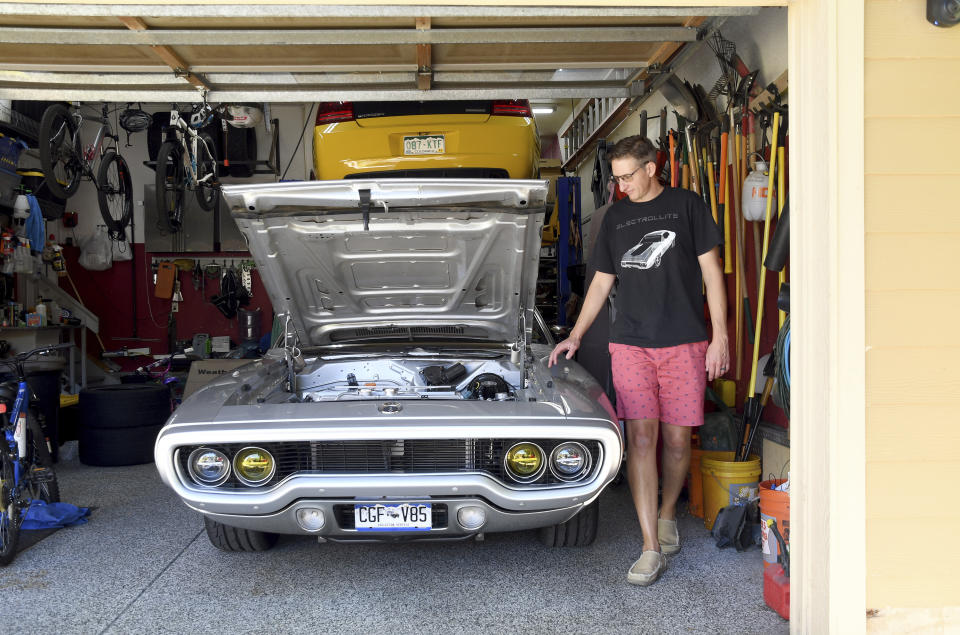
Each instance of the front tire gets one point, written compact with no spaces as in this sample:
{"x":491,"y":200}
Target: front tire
{"x":41,"y":479}
{"x":9,"y":509}
{"x":228,"y":538}
{"x":115,"y":193}
{"x":170,"y":186}
{"x":60,"y":153}
{"x":579,"y":531}
{"x":208,"y":187}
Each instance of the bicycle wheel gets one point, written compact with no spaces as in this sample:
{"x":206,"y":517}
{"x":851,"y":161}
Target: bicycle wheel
{"x":40,"y":479}
{"x":9,"y":507}
{"x":115,"y":193}
{"x":208,"y":186}
{"x":170,"y":186}
{"x":60,"y":153}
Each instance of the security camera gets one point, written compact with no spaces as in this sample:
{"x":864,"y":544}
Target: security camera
{"x":943,"y":12}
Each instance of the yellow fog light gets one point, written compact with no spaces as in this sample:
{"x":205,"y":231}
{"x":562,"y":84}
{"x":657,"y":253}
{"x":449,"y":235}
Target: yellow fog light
{"x":524,"y":461}
{"x":254,"y":466}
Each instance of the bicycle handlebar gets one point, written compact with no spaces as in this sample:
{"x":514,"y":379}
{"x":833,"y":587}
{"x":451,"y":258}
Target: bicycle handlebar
{"x":53,"y":347}
{"x":17,"y":361}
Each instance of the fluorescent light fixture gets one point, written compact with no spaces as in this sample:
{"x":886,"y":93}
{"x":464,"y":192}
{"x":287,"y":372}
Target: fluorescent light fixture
{"x":544,"y":110}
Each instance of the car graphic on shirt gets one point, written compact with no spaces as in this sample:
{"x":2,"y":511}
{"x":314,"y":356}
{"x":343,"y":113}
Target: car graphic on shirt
{"x":647,"y":253}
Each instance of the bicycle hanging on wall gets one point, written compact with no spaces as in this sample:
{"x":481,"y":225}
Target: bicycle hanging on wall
{"x":66,"y":161}
{"x":186,"y":161}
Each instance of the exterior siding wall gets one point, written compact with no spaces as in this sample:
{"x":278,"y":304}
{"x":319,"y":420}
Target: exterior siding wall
{"x":912,"y":224}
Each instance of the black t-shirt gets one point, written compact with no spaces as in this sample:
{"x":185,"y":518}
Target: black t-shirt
{"x":652,"y":248}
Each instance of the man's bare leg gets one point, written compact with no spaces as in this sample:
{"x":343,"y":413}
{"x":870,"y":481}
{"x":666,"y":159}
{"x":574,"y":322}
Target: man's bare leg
{"x":642,"y":476}
{"x":676,"y":464}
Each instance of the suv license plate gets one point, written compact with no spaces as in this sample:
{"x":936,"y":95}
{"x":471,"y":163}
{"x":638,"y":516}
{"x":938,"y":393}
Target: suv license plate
{"x":424,"y":144}
{"x":402,"y":517}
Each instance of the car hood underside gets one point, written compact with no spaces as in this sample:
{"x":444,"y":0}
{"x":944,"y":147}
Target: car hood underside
{"x":396,"y":259}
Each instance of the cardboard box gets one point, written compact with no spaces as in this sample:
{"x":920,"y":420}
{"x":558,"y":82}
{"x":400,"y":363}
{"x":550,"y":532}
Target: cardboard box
{"x":202,"y":371}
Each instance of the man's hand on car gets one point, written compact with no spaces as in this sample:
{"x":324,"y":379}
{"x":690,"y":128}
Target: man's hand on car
{"x":570,"y":345}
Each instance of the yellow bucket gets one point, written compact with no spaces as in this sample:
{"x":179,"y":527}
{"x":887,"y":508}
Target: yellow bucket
{"x":727,"y":482}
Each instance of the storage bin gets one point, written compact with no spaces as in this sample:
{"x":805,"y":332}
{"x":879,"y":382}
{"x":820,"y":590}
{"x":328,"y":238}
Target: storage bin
{"x":10,"y":149}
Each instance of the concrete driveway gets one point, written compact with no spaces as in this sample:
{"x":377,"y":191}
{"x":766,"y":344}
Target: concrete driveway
{"x":143,"y":564}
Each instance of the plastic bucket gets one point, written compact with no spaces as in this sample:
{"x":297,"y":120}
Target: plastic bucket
{"x":726,"y":482}
{"x":695,"y":490}
{"x":775,"y":505}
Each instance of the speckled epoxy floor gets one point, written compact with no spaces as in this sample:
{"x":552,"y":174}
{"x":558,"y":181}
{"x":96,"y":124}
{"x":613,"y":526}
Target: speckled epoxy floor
{"x":143,"y":564}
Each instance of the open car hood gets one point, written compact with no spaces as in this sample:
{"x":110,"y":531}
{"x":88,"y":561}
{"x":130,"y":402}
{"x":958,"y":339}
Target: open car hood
{"x":397,"y":259}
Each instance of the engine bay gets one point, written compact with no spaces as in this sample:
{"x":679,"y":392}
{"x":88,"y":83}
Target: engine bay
{"x":358,"y":378}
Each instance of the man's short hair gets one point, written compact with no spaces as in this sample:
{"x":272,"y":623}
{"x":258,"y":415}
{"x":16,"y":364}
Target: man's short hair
{"x":635,"y":147}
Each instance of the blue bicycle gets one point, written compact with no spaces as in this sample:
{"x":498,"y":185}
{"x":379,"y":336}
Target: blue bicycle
{"x":26,"y":466}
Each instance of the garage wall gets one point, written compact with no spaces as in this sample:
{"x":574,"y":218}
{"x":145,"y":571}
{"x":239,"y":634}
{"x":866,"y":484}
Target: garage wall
{"x":100,"y":290}
{"x":291,"y":118}
{"x":761,"y":42}
{"x":912,"y":232}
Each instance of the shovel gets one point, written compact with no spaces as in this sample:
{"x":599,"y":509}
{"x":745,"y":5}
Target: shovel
{"x":680,"y":97}
{"x":753,"y":407}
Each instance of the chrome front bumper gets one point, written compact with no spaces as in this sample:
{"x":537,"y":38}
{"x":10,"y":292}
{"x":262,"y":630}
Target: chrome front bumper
{"x":509,"y":501}
{"x":497,"y":520}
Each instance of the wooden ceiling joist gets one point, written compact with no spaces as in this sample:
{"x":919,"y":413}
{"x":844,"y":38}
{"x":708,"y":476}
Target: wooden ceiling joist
{"x":176,"y":63}
{"x":287,"y":52}
{"x":424,"y":58}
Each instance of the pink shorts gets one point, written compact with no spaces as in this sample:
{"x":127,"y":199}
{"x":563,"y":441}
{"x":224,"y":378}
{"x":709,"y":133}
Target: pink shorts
{"x":667,"y":384}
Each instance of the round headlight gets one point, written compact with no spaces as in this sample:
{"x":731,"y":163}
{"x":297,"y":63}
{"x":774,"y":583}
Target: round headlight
{"x":569,"y":461}
{"x":208,"y":466}
{"x":254,"y":466}
{"x":524,"y":461}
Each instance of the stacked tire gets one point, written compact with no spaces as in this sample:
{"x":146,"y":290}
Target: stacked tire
{"x":119,"y":423}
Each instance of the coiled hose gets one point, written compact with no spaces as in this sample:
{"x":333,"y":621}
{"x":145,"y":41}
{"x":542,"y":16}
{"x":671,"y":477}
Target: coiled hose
{"x":781,"y":352}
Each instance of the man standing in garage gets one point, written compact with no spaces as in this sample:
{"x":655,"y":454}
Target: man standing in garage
{"x":660,"y":246}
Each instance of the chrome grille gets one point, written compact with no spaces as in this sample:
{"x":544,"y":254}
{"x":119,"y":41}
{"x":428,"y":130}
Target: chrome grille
{"x":409,"y":456}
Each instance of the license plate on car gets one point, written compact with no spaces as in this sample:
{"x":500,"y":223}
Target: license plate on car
{"x":424,"y":144}
{"x":390,"y":517}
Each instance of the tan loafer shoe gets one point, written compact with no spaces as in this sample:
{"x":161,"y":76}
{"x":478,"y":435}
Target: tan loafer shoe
{"x":668,"y":536}
{"x":647,"y":569}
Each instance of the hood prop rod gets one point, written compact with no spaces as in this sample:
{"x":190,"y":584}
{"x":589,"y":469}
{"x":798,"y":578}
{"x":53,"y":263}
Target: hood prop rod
{"x":365,"y":208}
{"x":291,"y":352}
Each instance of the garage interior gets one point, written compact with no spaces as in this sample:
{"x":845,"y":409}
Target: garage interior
{"x":592,"y":76}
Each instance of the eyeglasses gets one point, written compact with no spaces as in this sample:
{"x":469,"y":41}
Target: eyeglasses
{"x":624,"y":177}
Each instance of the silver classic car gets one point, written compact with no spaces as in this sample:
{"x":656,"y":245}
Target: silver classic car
{"x":409,"y":396}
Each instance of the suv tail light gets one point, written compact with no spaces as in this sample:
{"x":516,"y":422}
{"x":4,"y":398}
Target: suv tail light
{"x":512,"y":108}
{"x":333,"y":111}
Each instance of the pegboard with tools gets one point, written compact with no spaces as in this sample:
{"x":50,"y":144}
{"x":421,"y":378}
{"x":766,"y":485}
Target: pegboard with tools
{"x":230,"y":279}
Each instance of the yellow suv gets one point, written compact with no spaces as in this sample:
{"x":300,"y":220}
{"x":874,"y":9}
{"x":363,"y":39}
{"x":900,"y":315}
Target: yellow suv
{"x":426,"y":139}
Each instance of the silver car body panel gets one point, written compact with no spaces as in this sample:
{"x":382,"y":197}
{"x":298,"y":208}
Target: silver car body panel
{"x":452,"y":264}
{"x":344,"y":257}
